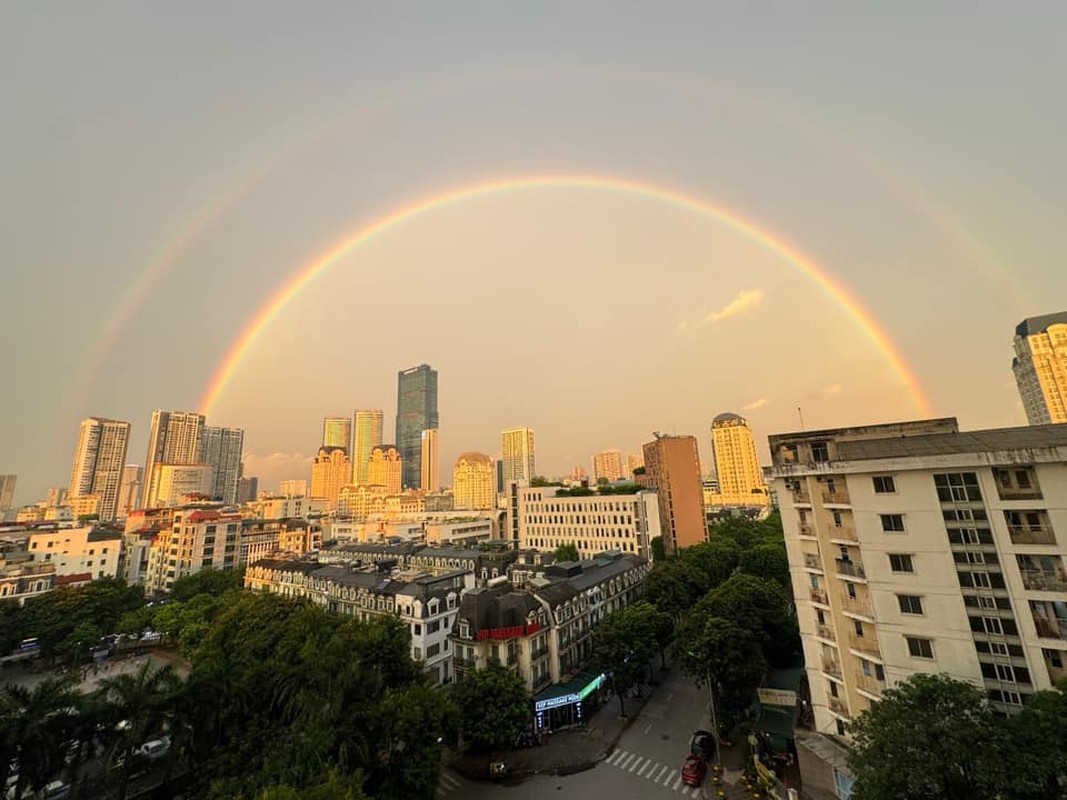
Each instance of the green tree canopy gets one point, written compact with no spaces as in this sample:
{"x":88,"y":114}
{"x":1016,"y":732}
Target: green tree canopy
{"x":623,"y":643}
{"x":761,"y":607}
{"x":494,"y":707}
{"x":716,"y":560}
{"x":567,"y":552}
{"x":1037,"y":754}
{"x":768,"y":561}
{"x":674,"y":585}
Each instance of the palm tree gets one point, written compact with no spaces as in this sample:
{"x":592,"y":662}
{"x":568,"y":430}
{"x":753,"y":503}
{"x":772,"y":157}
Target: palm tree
{"x":143,"y":701}
{"x":35,"y":723}
{"x":92,"y":710}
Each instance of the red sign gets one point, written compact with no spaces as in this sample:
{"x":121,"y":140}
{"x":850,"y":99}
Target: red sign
{"x":507,"y":633}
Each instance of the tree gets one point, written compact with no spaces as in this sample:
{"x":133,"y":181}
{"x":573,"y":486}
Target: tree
{"x":725,"y":657}
{"x":567,"y":552}
{"x":1037,"y":748}
{"x":761,"y":607}
{"x":930,"y":736}
{"x":416,"y":720}
{"x":623,"y":643}
{"x":767,"y":561}
{"x":34,"y":725}
{"x":494,"y":707}
{"x":659,"y":552}
{"x":716,"y":560}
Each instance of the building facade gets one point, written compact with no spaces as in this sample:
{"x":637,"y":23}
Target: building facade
{"x":222,"y":449}
{"x":293,"y":488}
{"x":386,"y":468}
{"x":737,"y":467}
{"x":431,"y":462}
{"x":416,"y":411}
{"x":329,"y":472}
{"x":914,"y":547}
{"x":672,"y":470}
{"x":7,"y":493}
{"x":99,"y":460}
{"x":473,"y":484}
{"x":1040,"y":367}
{"x":517,"y":460}
{"x":130,"y":490}
{"x":78,"y":551}
{"x":22,"y":578}
{"x":337,"y":432}
{"x":368,"y":435}
{"x":608,"y":465}
{"x":175,"y":437}
{"x":178,"y":484}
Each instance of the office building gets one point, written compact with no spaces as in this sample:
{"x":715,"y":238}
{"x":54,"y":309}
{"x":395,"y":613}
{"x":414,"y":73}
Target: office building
{"x":368,"y":435}
{"x":608,"y":465}
{"x":331,"y":470}
{"x":737,"y":468}
{"x":672,"y":469}
{"x":517,"y":462}
{"x":431,"y":462}
{"x":130,"y":490}
{"x":98,"y":463}
{"x":385,"y":468}
{"x":337,"y":432}
{"x":293,"y":488}
{"x":247,"y":489}
{"x":416,"y":411}
{"x":544,"y":520}
{"x":7,"y":492}
{"x":178,"y":484}
{"x":176,"y":437}
{"x":472,"y":482}
{"x":1040,"y":367}
{"x":221,"y":448}
{"x":915,"y":547}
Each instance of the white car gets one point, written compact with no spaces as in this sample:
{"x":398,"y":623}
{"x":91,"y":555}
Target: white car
{"x":155,"y":749}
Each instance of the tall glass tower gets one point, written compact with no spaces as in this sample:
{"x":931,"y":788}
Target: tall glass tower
{"x":416,"y":411}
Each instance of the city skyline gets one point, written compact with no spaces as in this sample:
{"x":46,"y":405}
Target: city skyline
{"x":757,"y":175}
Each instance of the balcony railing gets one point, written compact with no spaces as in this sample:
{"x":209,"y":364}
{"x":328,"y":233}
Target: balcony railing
{"x":804,"y":529}
{"x":846,"y":532}
{"x":857,"y":605}
{"x":869,"y":683}
{"x":539,"y":652}
{"x":1044,"y":581}
{"x":850,"y":568}
{"x":812,"y":560}
{"x":801,"y":496}
{"x":837,"y":705}
{"x":1051,"y":628}
{"x":864,"y":645}
{"x":1031,"y":534}
{"x":831,"y":668}
{"x":460,"y":662}
{"x":836,"y":498}
{"x":825,"y":632}
{"x":819,"y":596}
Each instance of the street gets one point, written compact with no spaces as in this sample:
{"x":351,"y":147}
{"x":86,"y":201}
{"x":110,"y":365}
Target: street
{"x":646,"y":763}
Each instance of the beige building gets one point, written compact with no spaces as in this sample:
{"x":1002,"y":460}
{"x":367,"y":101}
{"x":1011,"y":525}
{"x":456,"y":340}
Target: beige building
{"x":547,"y":518}
{"x":289,"y":507}
{"x":84,"y":550}
{"x":672,"y":469}
{"x":7,"y":493}
{"x":473,"y":482}
{"x":608,"y":465}
{"x":1040,"y":367}
{"x":368,"y":435}
{"x":329,"y":472}
{"x":385,"y":468}
{"x":21,"y":578}
{"x":917,"y":548}
{"x":737,"y":467}
{"x":431,"y":461}
{"x":99,"y":460}
{"x":175,"y":437}
{"x":337,"y":432}
{"x":130,"y":490}
{"x":177,"y":484}
{"x":634,"y":461}
{"x":517,"y":462}
{"x":293,"y":488}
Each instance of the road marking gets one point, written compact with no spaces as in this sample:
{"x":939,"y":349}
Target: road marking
{"x":453,"y":783}
{"x":670,"y":775}
{"x":622,"y":765}
{"x":648,"y":727}
{"x":646,"y":766}
{"x":677,"y":783}
{"x":639,"y":760}
{"x":660,"y":775}
{"x":616,"y":756}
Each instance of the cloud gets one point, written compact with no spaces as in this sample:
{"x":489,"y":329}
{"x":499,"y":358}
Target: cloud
{"x":755,"y":404}
{"x":746,"y":300}
{"x":277,"y":467}
{"x":831,"y":390}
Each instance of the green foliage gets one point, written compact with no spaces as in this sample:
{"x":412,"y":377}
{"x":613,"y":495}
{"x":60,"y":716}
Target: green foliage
{"x":639,"y":471}
{"x":541,"y":480}
{"x":619,"y":488}
{"x":34,"y":725}
{"x":767,"y":561}
{"x":930,"y":736}
{"x":1038,"y":748}
{"x":602,"y":481}
{"x":336,"y":787}
{"x":494,"y":707}
{"x":567,"y":552}
{"x":659,"y":552}
{"x":674,"y":585}
{"x":625,"y":641}
{"x":725,"y":656}
{"x":762,"y":608}
{"x":214,"y":582}
{"x":716,"y":560}
{"x":576,"y":491}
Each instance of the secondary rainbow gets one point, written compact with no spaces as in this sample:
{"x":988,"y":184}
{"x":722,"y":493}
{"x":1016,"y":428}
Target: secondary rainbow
{"x":318,"y":265}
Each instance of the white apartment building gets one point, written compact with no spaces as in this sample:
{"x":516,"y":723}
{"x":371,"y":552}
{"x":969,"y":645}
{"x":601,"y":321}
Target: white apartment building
{"x":299,"y":507}
{"x":915,"y":547}
{"x":544,"y":518}
{"x":77,"y":551}
{"x":176,"y":484}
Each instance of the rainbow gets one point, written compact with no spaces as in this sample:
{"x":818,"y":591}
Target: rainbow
{"x":321,"y":263}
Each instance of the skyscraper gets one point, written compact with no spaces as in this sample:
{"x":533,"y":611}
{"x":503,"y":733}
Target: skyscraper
{"x":221,"y":448}
{"x":672,"y":467}
{"x":1040,"y":367}
{"x":330,"y":471}
{"x":431,"y":469}
{"x":517,"y":446}
{"x":385,"y":468}
{"x":98,"y":463}
{"x":608,"y":465}
{"x":7,"y":492}
{"x":736,"y":464}
{"x":472,"y":482}
{"x":175,"y":438}
{"x":337,"y":432}
{"x":416,"y":411}
{"x":130,"y":490}
{"x":368,"y":435}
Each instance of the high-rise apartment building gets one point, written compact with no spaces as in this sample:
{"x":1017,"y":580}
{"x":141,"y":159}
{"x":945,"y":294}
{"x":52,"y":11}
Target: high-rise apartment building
{"x":517,"y":447}
{"x":473,"y":486}
{"x":130,"y":490}
{"x":431,"y":462}
{"x":247,"y":489}
{"x":672,"y":468}
{"x":608,"y":465}
{"x":7,"y":492}
{"x":221,"y":448}
{"x":385,"y":468}
{"x":98,"y":463}
{"x":368,"y":435}
{"x":293,"y":488}
{"x":177,"y":484}
{"x":416,"y":411}
{"x":175,"y":438}
{"x":337,"y":432}
{"x":331,"y":470}
{"x":1040,"y":367}
{"x":737,"y":467}
{"x":914,"y":547}
{"x":634,"y":461}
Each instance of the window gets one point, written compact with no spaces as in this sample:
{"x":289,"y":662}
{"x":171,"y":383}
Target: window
{"x":858,"y":627}
{"x":980,"y":579}
{"x":434,"y":626}
{"x":1055,"y":658}
{"x":987,"y":602}
{"x":433,"y":650}
{"x":920,"y":648}
{"x":1022,"y":478}
{"x":958,"y":487}
{"x":901,"y":562}
{"x":992,"y":625}
{"x":819,"y":452}
{"x":416,"y":629}
{"x":884,"y":484}
{"x":892,"y":523}
{"x":910,"y":604}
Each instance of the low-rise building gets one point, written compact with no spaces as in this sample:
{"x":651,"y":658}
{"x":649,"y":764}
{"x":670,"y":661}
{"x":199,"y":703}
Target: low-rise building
{"x":21,"y":577}
{"x":77,"y":550}
{"x":288,"y":507}
{"x":485,"y":565}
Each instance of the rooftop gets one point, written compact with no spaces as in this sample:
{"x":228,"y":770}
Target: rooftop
{"x":1028,"y":438}
{"x":1032,"y":325}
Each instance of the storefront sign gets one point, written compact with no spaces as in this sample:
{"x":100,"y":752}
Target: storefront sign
{"x":777,"y":697}
{"x":552,"y":702}
{"x":592,"y":686}
{"x":507,"y":633}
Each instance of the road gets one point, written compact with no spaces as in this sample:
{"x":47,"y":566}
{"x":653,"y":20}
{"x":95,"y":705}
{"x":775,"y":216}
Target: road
{"x":645,"y":764}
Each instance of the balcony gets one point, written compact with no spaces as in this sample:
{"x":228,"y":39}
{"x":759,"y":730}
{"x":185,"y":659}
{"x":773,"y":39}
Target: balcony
{"x":801,"y":497}
{"x":864,"y":644}
{"x":539,"y":652}
{"x":825,"y":632}
{"x":1031,"y":534}
{"x":831,"y":667}
{"x":1051,"y":628}
{"x":856,"y":605}
{"x":804,"y":529}
{"x":1040,"y":580}
{"x":843,"y":533}
{"x":837,"y":705}
{"x":819,"y":596}
{"x":812,"y":561}
{"x":462,"y":663}
{"x":869,"y":684}
{"x":835,"y":498}
{"x":850,"y":569}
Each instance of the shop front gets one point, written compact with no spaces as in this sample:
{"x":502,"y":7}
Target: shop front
{"x":568,"y":704}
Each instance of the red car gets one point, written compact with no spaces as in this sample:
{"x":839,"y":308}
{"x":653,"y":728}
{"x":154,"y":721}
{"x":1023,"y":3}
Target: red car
{"x":694,"y":770}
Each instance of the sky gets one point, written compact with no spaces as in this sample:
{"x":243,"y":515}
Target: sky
{"x":165,"y":169}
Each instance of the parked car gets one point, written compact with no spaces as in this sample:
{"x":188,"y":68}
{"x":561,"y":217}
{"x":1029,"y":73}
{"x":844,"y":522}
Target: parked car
{"x":56,"y":790}
{"x":703,"y":744}
{"x":694,"y":770}
{"x":154,"y":749}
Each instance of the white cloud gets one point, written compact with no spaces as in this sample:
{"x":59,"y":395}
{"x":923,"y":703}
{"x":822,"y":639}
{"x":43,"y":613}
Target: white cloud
{"x":271,"y":469}
{"x":832,"y":389}
{"x":755,"y":404}
{"x":746,"y":300}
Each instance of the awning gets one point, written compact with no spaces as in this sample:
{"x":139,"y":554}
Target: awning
{"x":563,"y":694}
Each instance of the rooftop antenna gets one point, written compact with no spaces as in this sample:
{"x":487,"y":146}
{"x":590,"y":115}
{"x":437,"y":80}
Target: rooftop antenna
{"x":800,"y":413}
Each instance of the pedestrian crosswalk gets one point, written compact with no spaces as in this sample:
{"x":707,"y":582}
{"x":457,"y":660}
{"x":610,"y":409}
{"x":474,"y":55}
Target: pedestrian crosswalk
{"x":446,"y":783}
{"x":669,"y":777}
